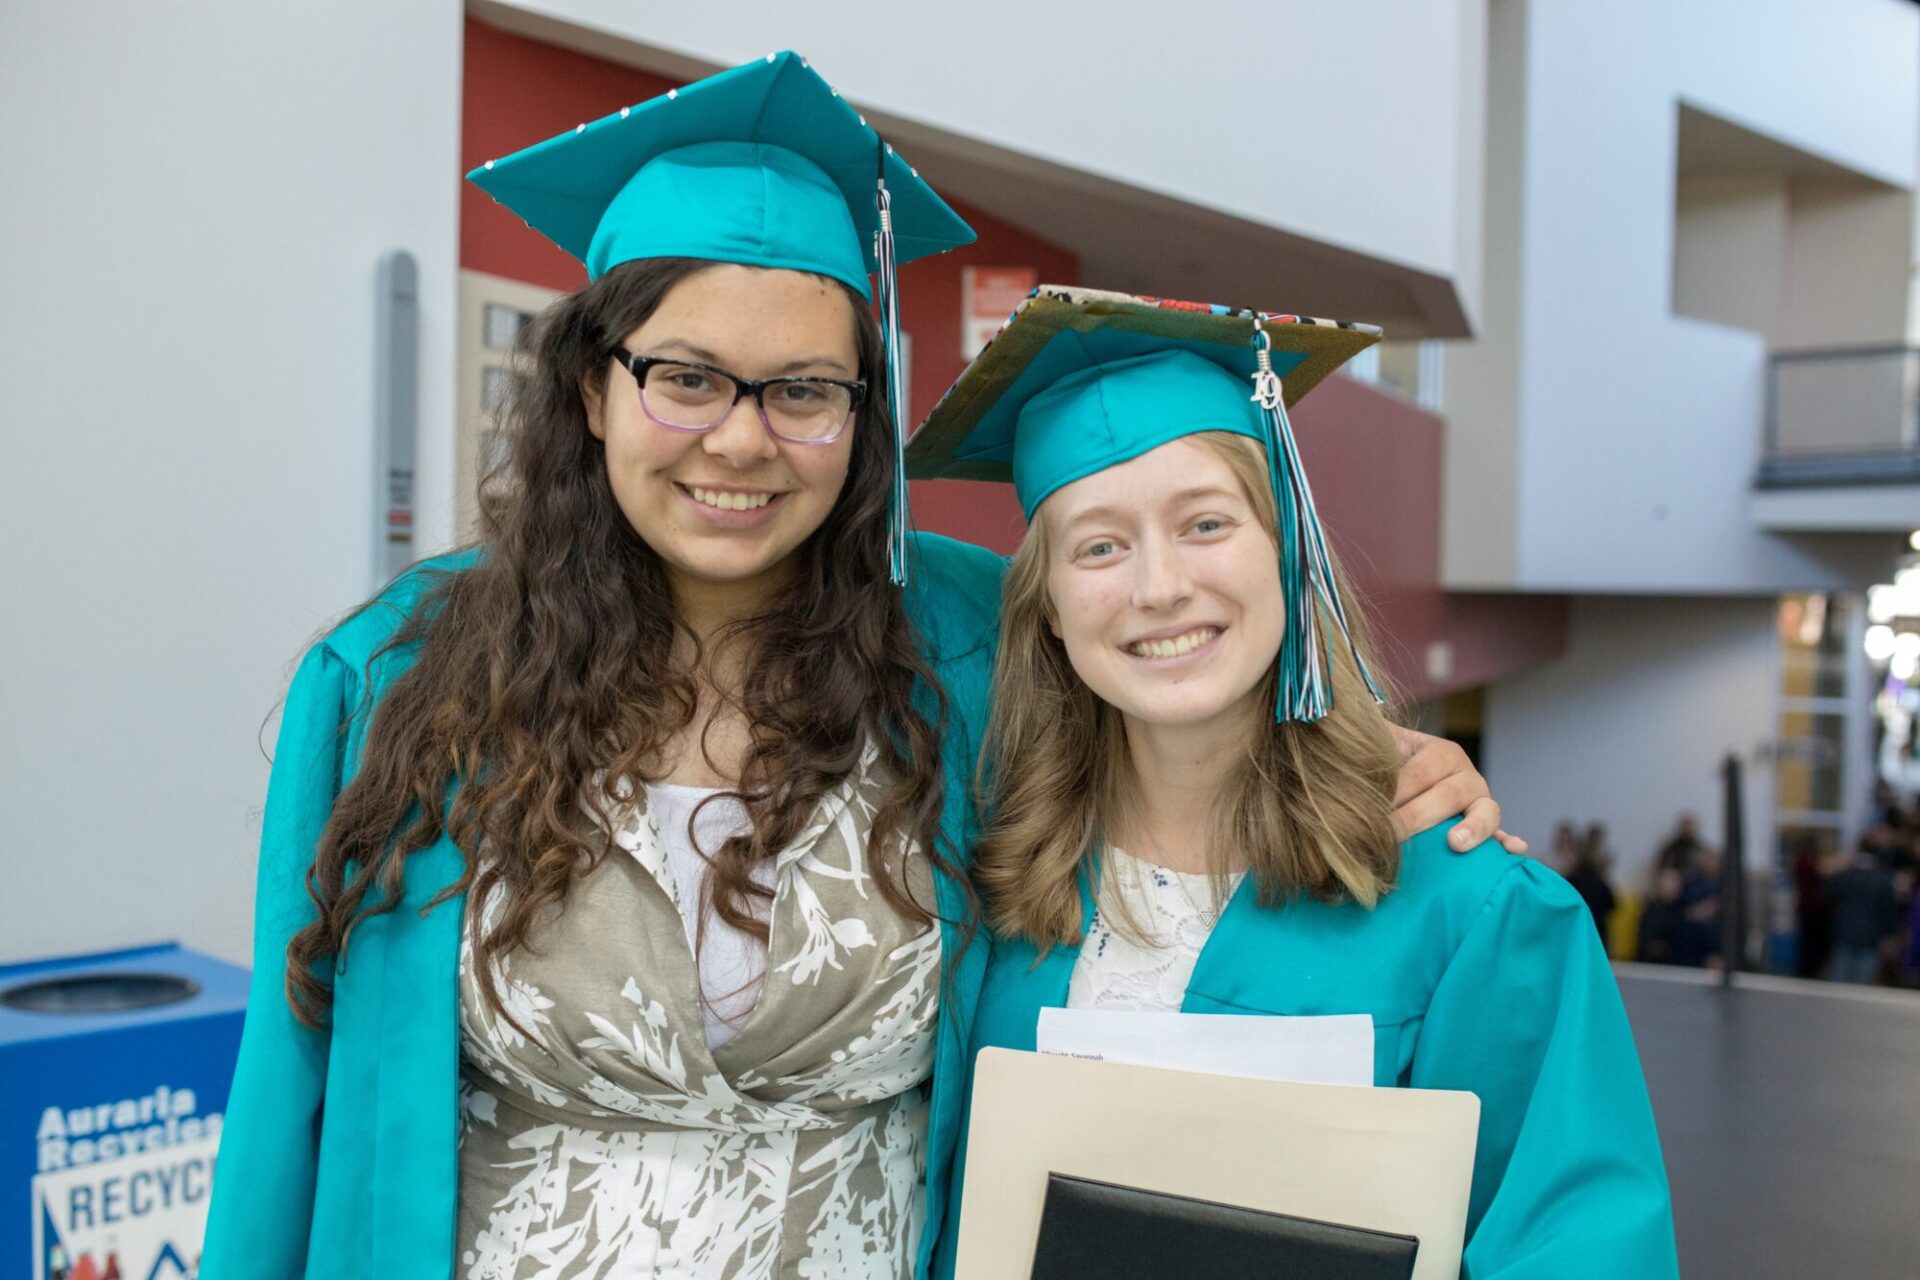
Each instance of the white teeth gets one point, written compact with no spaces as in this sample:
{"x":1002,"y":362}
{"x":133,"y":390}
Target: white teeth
{"x":1174,"y":646}
{"x":729,"y":501}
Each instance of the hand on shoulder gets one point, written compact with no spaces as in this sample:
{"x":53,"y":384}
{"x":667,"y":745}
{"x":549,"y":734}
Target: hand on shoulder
{"x":1438,"y":781}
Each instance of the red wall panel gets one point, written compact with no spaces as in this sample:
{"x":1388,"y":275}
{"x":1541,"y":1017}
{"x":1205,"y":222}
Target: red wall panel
{"x":514,"y":93}
{"x":1376,"y":463}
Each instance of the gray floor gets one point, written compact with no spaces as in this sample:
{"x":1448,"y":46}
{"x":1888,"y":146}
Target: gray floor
{"x":1789,"y":1113}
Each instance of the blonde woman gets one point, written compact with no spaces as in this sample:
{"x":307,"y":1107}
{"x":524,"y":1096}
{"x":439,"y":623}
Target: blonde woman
{"x":1191,"y":796}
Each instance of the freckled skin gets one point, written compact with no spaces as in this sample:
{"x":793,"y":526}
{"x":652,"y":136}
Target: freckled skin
{"x":1179,"y":546}
{"x":754,"y":322}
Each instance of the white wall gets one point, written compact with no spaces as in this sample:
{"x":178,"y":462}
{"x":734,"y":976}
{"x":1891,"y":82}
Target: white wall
{"x":1638,"y":430}
{"x":1630,"y":727}
{"x":196,"y":198}
{"x":1832,"y":77}
{"x":1479,"y":526}
{"x":1353,"y":124}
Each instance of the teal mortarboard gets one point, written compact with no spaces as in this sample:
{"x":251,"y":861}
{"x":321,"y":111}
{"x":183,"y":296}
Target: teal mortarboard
{"x":763,"y":165}
{"x":1080,"y":380}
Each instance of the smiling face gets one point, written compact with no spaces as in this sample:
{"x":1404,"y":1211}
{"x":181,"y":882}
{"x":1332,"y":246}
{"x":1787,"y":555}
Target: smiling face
{"x":729,"y":507}
{"x":1165,"y":586}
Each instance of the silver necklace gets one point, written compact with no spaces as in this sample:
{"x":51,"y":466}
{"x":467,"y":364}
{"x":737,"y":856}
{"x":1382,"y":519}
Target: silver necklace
{"x":1209,"y":915}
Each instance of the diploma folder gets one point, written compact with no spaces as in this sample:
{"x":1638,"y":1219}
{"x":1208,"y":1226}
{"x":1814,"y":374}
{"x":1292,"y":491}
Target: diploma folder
{"x":1398,"y":1162}
{"x":1093,"y":1228}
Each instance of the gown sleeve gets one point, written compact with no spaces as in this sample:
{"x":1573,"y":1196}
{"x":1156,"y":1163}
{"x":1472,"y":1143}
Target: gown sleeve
{"x":953,"y":592}
{"x":258,"y":1224}
{"x":1568,"y":1178}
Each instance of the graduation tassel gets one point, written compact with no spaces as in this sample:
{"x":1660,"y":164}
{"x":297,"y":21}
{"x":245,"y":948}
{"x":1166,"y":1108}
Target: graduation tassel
{"x":888,"y":297}
{"x":1306,"y":568}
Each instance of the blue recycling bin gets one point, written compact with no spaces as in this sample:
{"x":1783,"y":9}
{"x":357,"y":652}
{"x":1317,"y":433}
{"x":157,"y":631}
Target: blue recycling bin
{"x":116,"y":1068}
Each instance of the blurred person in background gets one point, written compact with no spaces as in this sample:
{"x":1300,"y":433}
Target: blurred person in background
{"x":1906,"y":941}
{"x":1565,"y":854}
{"x":1812,"y":912}
{"x":1699,"y":936}
{"x":1904,"y":863}
{"x":1883,"y":840}
{"x":1588,"y":877}
{"x":1681,"y":923}
{"x":1865,"y":913}
{"x":1887,"y":800}
{"x":1682,"y":849}
{"x":1659,"y":922}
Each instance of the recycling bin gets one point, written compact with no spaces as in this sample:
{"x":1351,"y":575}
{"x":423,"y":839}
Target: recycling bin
{"x":115,"y":1069}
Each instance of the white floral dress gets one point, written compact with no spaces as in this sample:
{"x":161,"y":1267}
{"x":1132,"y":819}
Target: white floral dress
{"x":610,"y":1141}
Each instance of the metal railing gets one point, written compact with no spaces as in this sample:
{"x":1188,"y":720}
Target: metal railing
{"x":1842,"y":415}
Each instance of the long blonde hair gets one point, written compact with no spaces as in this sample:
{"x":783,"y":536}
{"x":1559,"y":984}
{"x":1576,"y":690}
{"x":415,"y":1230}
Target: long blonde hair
{"x":1309,"y":807}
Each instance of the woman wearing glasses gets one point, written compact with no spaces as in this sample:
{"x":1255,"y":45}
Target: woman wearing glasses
{"x":612,"y":871}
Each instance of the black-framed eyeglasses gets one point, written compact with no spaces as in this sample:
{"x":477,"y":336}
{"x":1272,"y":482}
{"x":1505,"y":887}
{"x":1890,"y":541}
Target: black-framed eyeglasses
{"x":682,"y":395}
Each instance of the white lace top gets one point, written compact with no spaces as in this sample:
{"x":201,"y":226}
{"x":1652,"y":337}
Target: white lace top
{"x":1174,"y":910}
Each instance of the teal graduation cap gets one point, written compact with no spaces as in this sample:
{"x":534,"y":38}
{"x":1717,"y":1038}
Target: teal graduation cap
{"x":763,"y":165}
{"x":1080,"y":380}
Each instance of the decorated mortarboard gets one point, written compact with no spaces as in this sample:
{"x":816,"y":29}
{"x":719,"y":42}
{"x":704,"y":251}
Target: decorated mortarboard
{"x":763,"y":165}
{"x":1079,"y":380}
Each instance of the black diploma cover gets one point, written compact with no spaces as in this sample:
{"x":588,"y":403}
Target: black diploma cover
{"x":1090,"y":1228}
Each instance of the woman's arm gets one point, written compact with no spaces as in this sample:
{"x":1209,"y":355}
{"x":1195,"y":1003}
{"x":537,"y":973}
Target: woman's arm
{"x":1437,"y":781}
{"x":264,"y":1182}
{"x":1568,"y":1179}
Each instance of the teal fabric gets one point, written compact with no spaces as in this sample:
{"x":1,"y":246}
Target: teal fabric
{"x":1482,"y":972}
{"x":763,"y":165}
{"x":1093,"y":400}
{"x":339,"y":1155}
{"x":759,"y":204}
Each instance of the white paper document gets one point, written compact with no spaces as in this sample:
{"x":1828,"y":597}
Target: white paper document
{"x":1337,"y":1049}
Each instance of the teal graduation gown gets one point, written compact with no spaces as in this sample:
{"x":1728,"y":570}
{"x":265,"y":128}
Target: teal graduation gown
{"x":1482,"y":972}
{"x":339,"y":1155}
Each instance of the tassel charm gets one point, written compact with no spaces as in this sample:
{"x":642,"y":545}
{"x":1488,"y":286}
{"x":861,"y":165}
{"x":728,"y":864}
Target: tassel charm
{"x":1266,"y":383}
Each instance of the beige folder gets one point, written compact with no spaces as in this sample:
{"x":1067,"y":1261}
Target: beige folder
{"x":1397,"y":1160}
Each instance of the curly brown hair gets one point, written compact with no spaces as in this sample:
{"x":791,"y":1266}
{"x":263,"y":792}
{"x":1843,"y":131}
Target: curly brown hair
{"x":1308,"y":808}
{"x":548,"y":663}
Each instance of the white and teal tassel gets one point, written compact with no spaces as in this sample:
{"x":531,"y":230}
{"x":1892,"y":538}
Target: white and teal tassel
{"x":1306,"y":568}
{"x":888,"y":297}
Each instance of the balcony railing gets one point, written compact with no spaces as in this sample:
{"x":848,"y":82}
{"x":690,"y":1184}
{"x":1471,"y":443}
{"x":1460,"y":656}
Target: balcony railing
{"x":1842,"y":415}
